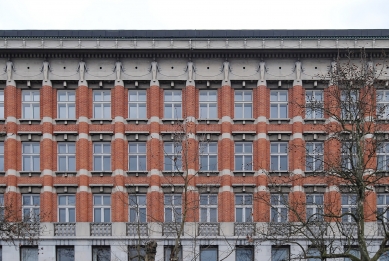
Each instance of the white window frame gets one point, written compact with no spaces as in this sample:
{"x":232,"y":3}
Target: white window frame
{"x":140,"y":157}
{"x":34,"y":166}
{"x":2,"y":156}
{"x":346,"y":157}
{"x":175,"y":103}
{"x":278,"y":103}
{"x":2,"y":207}
{"x":173,"y":207}
{"x":349,"y":104}
{"x":245,"y":206}
{"x":208,"y":104}
{"x":100,"y":156}
{"x":279,"y":210}
{"x":383,"y":157}
{"x":69,"y":104}
{"x":32,"y":209}
{"x":102,"y":207}
{"x":69,"y":157}
{"x":348,"y":204}
{"x":208,"y":153}
{"x":382,"y":104}
{"x":314,"y":104}
{"x":172,"y":156}
{"x":246,"y":156}
{"x":243,"y":104}
{"x":32,"y":105}
{"x":137,"y":212}
{"x":68,"y":206}
{"x":2,"y":115}
{"x":279,"y":156}
{"x":383,"y":207}
{"x":135,"y":106}
{"x":315,"y":205}
{"x":314,"y":156}
{"x":103,"y":103}
{"x":209,"y":206}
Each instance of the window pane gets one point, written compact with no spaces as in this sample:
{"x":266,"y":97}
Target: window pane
{"x":208,"y":254}
{"x":62,"y":215}
{"x":97,"y":213}
{"x":72,"y":215}
{"x":107,"y":215}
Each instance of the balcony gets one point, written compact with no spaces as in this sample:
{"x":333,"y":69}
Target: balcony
{"x":279,"y":229}
{"x":348,"y":229}
{"x":316,"y":229}
{"x":64,"y":229}
{"x":137,"y":229}
{"x":381,"y":229}
{"x":209,"y":229}
{"x":244,"y":229}
{"x":171,"y":229}
{"x":101,"y":229}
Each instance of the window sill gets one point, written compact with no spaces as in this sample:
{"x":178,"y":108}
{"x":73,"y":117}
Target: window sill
{"x":208,"y":121}
{"x":279,"y":173}
{"x":101,"y":173}
{"x":279,"y":120}
{"x":208,"y":173}
{"x":314,"y":121}
{"x":137,"y":121}
{"x":2,"y":121}
{"x":243,"y":121}
{"x":173,"y":121}
{"x":172,"y":172}
{"x":137,"y":173}
{"x":101,"y":121}
{"x":382,"y":121}
{"x":30,"y":121}
{"x":311,"y":173}
{"x":243,"y":173}
{"x":65,"y":121}
{"x":65,"y":173}
{"x":30,"y":173}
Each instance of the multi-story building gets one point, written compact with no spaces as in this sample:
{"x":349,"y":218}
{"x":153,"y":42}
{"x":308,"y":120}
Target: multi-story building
{"x":92,"y":144}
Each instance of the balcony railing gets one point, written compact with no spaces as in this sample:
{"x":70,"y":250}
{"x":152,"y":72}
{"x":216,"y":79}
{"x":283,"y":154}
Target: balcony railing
{"x":65,"y":229}
{"x":279,"y":229}
{"x":137,"y":229}
{"x":171,"y":229}
{"x":208,"y":229}
{"x":244,"y":229}
{"x":316,"y":229}
{"x":381,"y":230}
{"x":348,"y":229}
{"x":101,"y":229}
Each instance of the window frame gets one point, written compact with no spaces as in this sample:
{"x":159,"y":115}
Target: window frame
{"x":31,"y":155}
{"x":101,"y":156}
{"x":279,"y":248}
{"x":135,"y":252}
{"x":68,"y":156}
{"x":316,"y":154}
{"x":279,"y":155}
{"x":383,"y":157}
{"x":31,"y":256}
{"x":207,"y":104}
{"x":33,"y":209}
{"x":70,"y":251}
{"x":102,"y":207}
{"x":2,"y":112}
{"x":175,"y":105}
{"x":278,"y":104}
{"x":316,"y":206}
{"x":101,"y":248}
{"x":103,"y":103}
{"x":172,"y":156}
{"x":136,"y":205}
{"x":383,"y":209}
{"x":208,"y":152}
{"x":139,"y":157}
{"x":208,"y":207}
{"x":31,"y":105}
{"x":247,"y":157}
{"x":67,"y":207}
{"x":243,"y":104}
{"x":244,"y":207}
{"x":137,"y":104}
{"x":382,"y":102}
{"x":174,"y":207}
{"x":349,"y":104}
{"x":68,"y":104}
{"x":205,"y":248}
{"x":169,"y":249}
{"x":278,"y":210}
{"x":349,"y":206}
{"x":346,"y":158}
{"x":244,"y":248}
{"x":314,"y":108}
{"x":2,"y":167}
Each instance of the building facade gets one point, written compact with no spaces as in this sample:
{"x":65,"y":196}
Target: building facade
{"x":110,"y":137}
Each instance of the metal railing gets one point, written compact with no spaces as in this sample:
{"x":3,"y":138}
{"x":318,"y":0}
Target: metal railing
{"x":101,"y":229}
{"x":137,"y":229}
{"x":209,"y":229}
{"x":65,"y":229}
{"x":244,"y":229}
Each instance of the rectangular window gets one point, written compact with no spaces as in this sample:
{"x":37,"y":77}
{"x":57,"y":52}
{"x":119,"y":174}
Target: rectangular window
{"x":173,"y":156}
{"x":2,"y":104}
{"x":1,"y":208}
{"x":31,"y":156}
{"x":314,"y":156}
{"x":349,"y":205}
{"x":102,"y":156}
{"x":31,"y":207}
{"x":173,"y":104}
{"x":101,"y":208}
{"x":382,"y":207}
{"x":208,"y":156}
{"x":137,"y":156}
{"x":244,"y":253}
{"x":209,"y":253}
{"x":138,"y":208}
{"x":30,"y":105}
{"x":353,"y":250}
{"x":349,"y":155}
{"x":243,"y":208}
{"x":66,"y":156}
{"x":383,"y":156}
{"x":1,"y":156}
{"x":208,"y":104}
{"x":243,"y":104}
{"x":66,"y":104}
{"x":280,"y":254}
{"x":279,"y":156}
{"x":349,"y":105}
{"x":137,"y":104}
{"x":173,"y":208}
{"x":314,"y":207}
{"x":101,"y":253}
{"x":101,"y":104}
{"x":314,"y":105}
{"x":208,"y":208}
{"x":279,"y":210}
{"x":168,"y":253}
{"x":382,"y":104}
{"x":279,"y":104}
{"x":67,"y":208}
{"x":243,"y":156}
{"x":65,"y":253}
{"x":136,"y":253}
{"x":315,"y":253}
{"x":29,"y":253}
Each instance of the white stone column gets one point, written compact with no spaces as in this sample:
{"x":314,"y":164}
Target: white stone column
{"x":82,"y":251}
{"x":225,"y":252}
{"x":46,"y":253}
{"x":119,"y":252}
{"x":11,"y":252}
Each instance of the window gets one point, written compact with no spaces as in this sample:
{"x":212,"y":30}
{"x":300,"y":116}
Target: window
{"x":382,"y":104}
{"x":315,"y":253}
{"x":383,"y":157}
{"x":208,"y":104}
{"x":208,"y":156}
{"x":173,"y":106}
{"x":279,"y":210}
{"x":137,"y":208}
{"x":101,"y":156}
{"x":279,"y":156}
{"x":314,"y":104}
{"x":137,"y":156}
{"x":209,"y":253}
{"x":101,"y":253}
{"x":349,"y":205}
{"x":30,"y":105}
{"x":243,"y":208}
{"x":243,"y":156}
{"x":65,"y":253}
{"x":136,"y":253}
{"x":244,"y":253}
{"x":208,"y":208}
{"x":173,"y":205}
{"x":314,"y":156}
{"x":67,"y":208}
{"x":101,"y":208}
{"x":66,"y":156}
{"x":243,"y":104}
{"x":137,"y":104}
{"x":280,"y":254}
{"x":31,"y":156}
{"x":29,"y":253}
{"x":1,"y":156}
{"x":349,"y":156}
{"x":382,"y":207}
{"x":31,"y":207}
{"x":1,"y":208}
{"x":349,"y":105}
{"x":353,"y":251}
{"x":385,"y":256}
{"x":279,"y":104}
{"x":173,"y":156}
{"x":168,"y":252}
{"x":66,"y":104}
{"x":2,"y":105}
{"x":101,"y":104}
{"x":314,"y":205}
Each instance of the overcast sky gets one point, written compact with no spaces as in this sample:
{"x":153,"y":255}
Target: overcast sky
{"x":195,"y":14}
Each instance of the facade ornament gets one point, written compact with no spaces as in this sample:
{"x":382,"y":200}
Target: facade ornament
{"x":190,"y":69}
{"x":154,"y":70}
{"x":298,"y":70}
{"x":9,"y":68}
{"x":333,"y":72}
{"x":118,"y":69}
{"x":226,"y":70}
{"x":81,"y":69}
{"x":262,"y":69}
{"x":45,"y":69}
